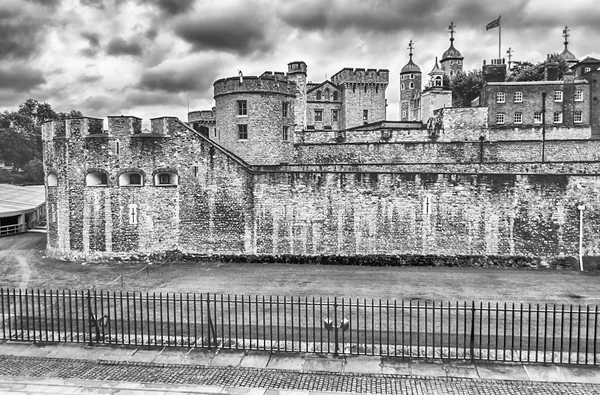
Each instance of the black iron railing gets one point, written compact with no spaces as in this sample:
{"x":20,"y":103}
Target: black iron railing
{"x":412,"y":329}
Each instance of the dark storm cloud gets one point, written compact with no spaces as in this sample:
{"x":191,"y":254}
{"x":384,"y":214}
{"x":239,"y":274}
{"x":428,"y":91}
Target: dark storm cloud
{"x":374,"y":15}
{"x":142,"y":99}
{"x":93,"y":47}
{"x":21,"y":28}
{"x":20,"y":77}
{"x":174,"y":7}
{"x":241,"y":30}
{"x":93,"y":3}
{"x":118,"y":46}
{"x":174,"y":76}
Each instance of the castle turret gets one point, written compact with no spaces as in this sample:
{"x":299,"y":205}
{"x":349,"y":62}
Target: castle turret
{"x":435,"y":96}
{"x":362,"y":95}
{"x":410,"y":89}
{"x":255,"y":116}
{"x":297,"y":72}
{"x":452,"y":60}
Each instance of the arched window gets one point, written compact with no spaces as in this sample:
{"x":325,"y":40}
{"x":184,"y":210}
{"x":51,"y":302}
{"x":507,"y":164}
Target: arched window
{"x":451,"y":72}
{"x":402,"y":86}
{"x":133,"y":179}
{"x":52,"y":180}
{"x":96,"y":179}
{"x":165,"y":178}
{"x":411,"y":85}
{"x":335,"y":95}
{"x":318,"y":95}
{"x":438,"y":81}
{"x":327,"y":94}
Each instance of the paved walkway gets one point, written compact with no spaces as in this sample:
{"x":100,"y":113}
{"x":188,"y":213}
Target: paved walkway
{"x":77,"y":368}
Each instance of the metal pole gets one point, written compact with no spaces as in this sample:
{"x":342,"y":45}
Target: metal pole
{"x":499,"y":37}
{"x":543,"y":125}
{"x":581,"y":207}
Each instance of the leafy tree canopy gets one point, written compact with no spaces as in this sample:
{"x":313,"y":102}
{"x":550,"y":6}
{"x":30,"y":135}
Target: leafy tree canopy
{"x":527,"y":71}
{"x":466,"y":87}
{"x":21,"y":136}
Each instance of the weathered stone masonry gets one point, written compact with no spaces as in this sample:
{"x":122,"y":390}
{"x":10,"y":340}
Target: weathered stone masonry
{"x":222,"y":205}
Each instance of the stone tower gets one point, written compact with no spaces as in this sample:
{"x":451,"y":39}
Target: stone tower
{"x":297,"y":73}
{"x":410,"y":89}
{"x":452,"y":60}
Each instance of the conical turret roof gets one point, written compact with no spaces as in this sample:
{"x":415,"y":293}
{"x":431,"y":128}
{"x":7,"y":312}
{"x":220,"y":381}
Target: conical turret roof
{"x":410,"y":67}
{"x":436,"y":69}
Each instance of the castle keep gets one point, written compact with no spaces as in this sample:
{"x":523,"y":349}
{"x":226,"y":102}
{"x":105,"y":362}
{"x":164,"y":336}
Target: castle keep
{"x":284,"y":166}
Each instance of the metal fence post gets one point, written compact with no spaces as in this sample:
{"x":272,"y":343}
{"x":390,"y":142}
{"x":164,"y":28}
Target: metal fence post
{"x":472,"y":340}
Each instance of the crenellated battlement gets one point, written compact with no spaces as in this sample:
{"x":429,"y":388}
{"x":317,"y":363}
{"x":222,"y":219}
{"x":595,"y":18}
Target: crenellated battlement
{"x":268,"y":82}
{"x":202,"y":115}
{"x":360,"y":75}
{"x":118,"y":126}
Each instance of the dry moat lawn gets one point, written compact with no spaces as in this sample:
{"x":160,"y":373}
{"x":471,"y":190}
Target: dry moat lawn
{"x":22,"y":264}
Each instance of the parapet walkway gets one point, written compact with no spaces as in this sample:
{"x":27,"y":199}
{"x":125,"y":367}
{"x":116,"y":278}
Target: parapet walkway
{"x":28,"y":368}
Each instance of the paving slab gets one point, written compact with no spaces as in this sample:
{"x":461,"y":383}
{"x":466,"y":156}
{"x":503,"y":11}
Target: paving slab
{"x":13,"y":348}
{"x":248,"y":391}
{"x":66,"y":350}
{"x":589,"y":375}
{"x":92,"y":353}
{"x":494,"y":371}
{"x":118,"y":354}
{"x":323,"y":364}
{"x":364,"y":365}
{"x":286,"y":361}
{"x":144,"y":356}
{"x":394,"y":366}
{"x":463,"y":370}
{"x":171,"y":356}
{"x":38,"y":350}
{"x":420,"y":368}
{"x":180,"y":388}
{"x":288,"y":392}
{"x":227,"y":358}
{"x":198,"y":356}
{"x":256,"y":359}
{"x":549,"y":373}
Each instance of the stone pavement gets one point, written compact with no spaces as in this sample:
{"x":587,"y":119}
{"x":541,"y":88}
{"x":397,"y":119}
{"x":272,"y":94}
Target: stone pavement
{"x":61,"y":368}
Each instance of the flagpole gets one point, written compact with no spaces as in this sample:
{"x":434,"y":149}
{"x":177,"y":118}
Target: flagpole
{"x":499,"y":37}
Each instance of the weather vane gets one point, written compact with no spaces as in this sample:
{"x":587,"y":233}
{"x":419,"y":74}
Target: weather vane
{"x":410,"y":47}
{"x":451,"y":30}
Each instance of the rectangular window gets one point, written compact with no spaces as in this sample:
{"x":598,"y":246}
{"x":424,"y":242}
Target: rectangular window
{"x":558,"y":117}
{"x":537,"y":117}
{"x":133,"y":217}
{"x":579,"y":95}
{"x":578,"y":117}
{"x":518,"y":117}
{"x":242,"y":132}
{"x":285,"y":109}
{"x":365,"y":115}
{"x":500,"y":97}
{"x":558,"y":96}
{"x":318,"y":115}
{"x":334,"y":115}
{"x":242,"y":107}
{"x":286,"y":133}
{"x":500,"y":119}
{"x":518,"y":97}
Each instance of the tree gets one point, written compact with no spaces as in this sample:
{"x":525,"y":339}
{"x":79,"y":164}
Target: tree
{"x":466,"y":87}
{"x":527,"y":71}
{"x":21,"y":136}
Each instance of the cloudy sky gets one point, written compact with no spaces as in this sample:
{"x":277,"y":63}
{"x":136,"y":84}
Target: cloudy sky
{"x":147,"y":57}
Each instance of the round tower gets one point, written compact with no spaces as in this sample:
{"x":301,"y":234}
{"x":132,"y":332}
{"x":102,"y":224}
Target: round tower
{"x":452,"y":60}
{"x":255,"y":117}
{"x":410,"y":89}
{"x":297,"y":72}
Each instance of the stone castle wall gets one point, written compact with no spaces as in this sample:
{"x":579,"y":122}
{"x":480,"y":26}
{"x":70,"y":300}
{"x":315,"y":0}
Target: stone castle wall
{"x":222,"y":205}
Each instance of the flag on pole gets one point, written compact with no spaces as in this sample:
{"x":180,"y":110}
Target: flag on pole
{"x":493,"y":24}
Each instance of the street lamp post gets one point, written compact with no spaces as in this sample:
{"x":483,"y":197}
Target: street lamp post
{"x":543,"y":125}
{"x":581,"y":207}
